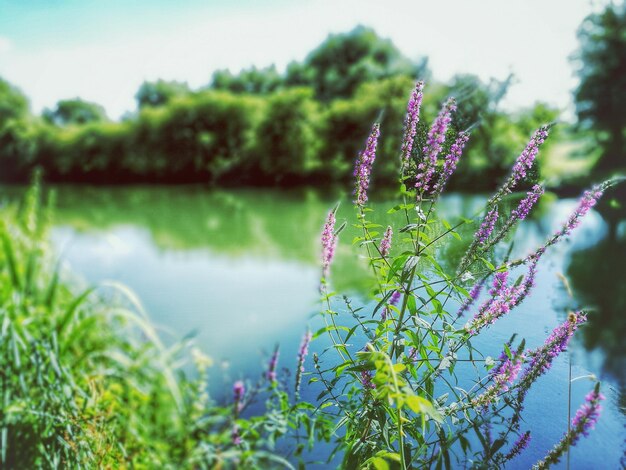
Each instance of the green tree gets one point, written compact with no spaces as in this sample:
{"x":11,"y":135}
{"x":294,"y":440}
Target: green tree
{"x":13,"y":103}
{"x":252,"y":80}
{"x":197,"y":138}
{"x":287,"y":137}
{"x":601,"y":94}
{"x":159,"y":93}
{"x":344,"y":61}
{"x":75,"y":111}
{"x":347,"y":123}
{"x":16,"y":128}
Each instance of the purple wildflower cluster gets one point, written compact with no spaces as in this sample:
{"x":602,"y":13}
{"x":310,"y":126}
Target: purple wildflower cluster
{"x":363,"y":168}
{"x":519,"y":445}
{"x":503,"y":298}
{"x":412,"y":354}
{"x":487,"y":226}
{"x":473,"y":295}
{"x":542,"y":357}
{"x":271,"y":370}
{"x":588,"y":414}
{"x":495,"y":307}
{"x":366,"y":380}
{"x":526,"y":159}
{"x":529,"y":280}
{"x":302,"y":353}
{"x":239,"y":389}
{"x":506,"y":374}
{"x":410,"y":122}
{"x":329,"y":242}
{"x":502,"y":358}
{"x":526,"y":204}
{"x":450,"y":162}
{"x":585,"y":420}
{"x":235,"y":436}
{"x":434,"y":144}
{"x":385,"y":243}
{"x":586,"y":202}
{"x":499,"y":283}
{"x":393,"y":300}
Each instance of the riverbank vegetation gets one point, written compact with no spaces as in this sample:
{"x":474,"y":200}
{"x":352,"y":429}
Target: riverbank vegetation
{"x":261,"y":127}
{"x":87,"y":381}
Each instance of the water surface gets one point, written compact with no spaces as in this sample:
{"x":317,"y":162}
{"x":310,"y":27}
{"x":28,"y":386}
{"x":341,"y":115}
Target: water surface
{"x":240,"y":270}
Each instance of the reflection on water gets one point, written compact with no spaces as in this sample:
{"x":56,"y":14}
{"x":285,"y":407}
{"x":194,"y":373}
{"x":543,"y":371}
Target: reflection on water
{"x":241,"y":270}
{"x":597,"y":278}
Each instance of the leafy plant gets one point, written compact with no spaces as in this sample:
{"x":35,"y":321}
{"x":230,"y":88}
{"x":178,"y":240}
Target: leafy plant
{"x":397,"y":369}
{"x":86,"y":381}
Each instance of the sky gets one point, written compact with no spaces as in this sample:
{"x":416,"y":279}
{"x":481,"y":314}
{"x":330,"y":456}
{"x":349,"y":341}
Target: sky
{"x":102,"y":50}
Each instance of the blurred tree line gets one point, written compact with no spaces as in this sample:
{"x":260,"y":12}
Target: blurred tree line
{"x":601,"y":93}
{"x":262,"y":127}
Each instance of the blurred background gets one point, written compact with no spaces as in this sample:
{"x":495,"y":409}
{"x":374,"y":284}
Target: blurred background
{"x":194,"y":148}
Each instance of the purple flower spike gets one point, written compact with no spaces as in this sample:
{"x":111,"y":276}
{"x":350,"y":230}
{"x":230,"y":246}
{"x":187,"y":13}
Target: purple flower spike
{"x":385,"y":244}
{"x":527,"y":203}
{"x":239,"y":389}
{"x":271,"y":370}
{"x":329,"y":242}
{"x":486,"y":228}
{"x":526,"y":159}
{"x":366,"y":380}
{"x":393,"y":300}
{"x":588,"y":414}
{"x":585,"y":420}
{"x":474,"y":293}
{"x":450,"y":162}
{"x":503,"y":298}
{"x":302,"y":353}
{"x":542,"y":357}
{"x":519,"y":445}
{"x":502,"y":378}
{"x":363,"y":168}
{"x":586,"y":202}
{"x":235,"y":436}
{"x":434,"y":144}
{"x":589,"y":199}
{"x":410,"y":123}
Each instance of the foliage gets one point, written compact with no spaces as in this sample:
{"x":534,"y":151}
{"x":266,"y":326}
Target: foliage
{"x":601,"y":93}
{"x":87,"y":383}
{"x":407,"y":386}
{"x":252,"y":80}
{"x":159,"y":93}
{"x":13,"y":103}
{"x":345,"y":61}
{"x":286,"y":138}
{"x":75,"y":111}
